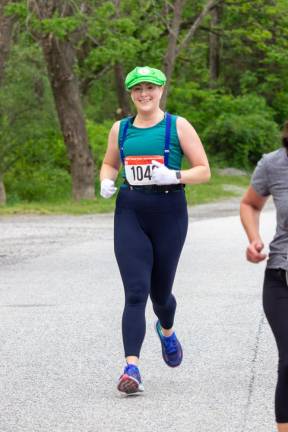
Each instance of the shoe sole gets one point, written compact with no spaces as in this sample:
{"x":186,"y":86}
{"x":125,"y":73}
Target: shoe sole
{"x":163,"y":350}
{"x":129,"y":385}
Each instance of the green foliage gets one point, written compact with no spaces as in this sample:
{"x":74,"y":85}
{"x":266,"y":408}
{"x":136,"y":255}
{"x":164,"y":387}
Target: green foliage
{"x":200,"y":106}
{"x":101,"y":101}
{"x":122,"y":38}
{"x":42,"y":184}
{"x":280,"y":106}
{"x":61,"y":27}
{"x":235,"y":129}
{"x":236,"y":120}
{"x":255,"y":41}
{"x":241,"y":140}
{"x":26,"y":106}
{"x":98,"y":135}
{"x":32,"y":152}
{"x":203,"y":106}
{"x":40,"y":172}
{"x":18,"y":10}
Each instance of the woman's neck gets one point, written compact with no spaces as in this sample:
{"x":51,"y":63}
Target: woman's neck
{"x":148,"y":119}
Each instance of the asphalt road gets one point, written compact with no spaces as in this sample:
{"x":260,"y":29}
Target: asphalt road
{"x":61,"y":351}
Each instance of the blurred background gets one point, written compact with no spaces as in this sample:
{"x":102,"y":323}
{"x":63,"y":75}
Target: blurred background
{"x":62,"y":71}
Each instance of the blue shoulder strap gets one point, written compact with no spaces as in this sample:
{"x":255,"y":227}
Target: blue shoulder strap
{"x":123,"y":137}
{"x":167,"y":138}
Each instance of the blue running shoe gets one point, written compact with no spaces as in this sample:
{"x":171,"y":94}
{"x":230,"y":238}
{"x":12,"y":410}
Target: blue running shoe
{"x":171,"y":348}
{"x":130,"y":381}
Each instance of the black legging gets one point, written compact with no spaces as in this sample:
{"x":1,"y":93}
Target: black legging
{"x":275,"y":301}
{"x":149,"y":233}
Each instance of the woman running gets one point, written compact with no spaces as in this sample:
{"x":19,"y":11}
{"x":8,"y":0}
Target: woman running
{"x":271,"y":178}
{"x":151,"y":218}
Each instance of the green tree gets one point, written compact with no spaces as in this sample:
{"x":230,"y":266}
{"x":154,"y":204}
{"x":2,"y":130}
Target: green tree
{"x":57,"y":25}
{"x":26,"y":107}
{"x":6,"y":26}
{"x":254,"y":53}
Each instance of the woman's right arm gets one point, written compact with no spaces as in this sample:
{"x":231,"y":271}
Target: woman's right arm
{"x":250,"y":209}
{"x":111,"y":162}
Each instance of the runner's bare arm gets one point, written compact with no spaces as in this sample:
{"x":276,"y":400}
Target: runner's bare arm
{"x":250,"y":209}
{"x":111,"y":162}
{"x":193,"y":150}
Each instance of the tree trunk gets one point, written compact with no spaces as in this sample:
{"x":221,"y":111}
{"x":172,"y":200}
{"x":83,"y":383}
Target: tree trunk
{"x":214,"y":47}
{"x":60,"y":57}
{"x":123,"y":98}
{"x":170,"y":57}
{"x":124,"y":108}
{"x":6,"y":25}
{"x":2,"y":192}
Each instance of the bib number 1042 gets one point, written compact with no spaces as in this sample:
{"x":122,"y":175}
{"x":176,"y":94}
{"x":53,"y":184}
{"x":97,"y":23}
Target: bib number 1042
{"x":139,"y":169}
{"x":142,"y":172}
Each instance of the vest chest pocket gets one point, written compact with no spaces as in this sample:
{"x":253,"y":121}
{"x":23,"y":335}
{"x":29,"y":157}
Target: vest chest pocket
{"x":138,"y":169}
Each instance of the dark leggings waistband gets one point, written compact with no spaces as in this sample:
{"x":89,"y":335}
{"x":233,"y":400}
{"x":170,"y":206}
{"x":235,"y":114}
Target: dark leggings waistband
{"x":155,"y":188}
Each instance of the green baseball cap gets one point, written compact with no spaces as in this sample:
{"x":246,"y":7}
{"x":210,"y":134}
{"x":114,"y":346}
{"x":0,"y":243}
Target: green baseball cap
{"x":144,"y":74}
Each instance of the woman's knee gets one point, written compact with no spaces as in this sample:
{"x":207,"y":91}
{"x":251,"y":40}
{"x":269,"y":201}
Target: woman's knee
{"x":136,"y":294}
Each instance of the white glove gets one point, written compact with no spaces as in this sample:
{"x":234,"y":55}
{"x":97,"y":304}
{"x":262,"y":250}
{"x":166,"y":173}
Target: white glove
{"x":161,"y":175}
{"x":107,"y":188}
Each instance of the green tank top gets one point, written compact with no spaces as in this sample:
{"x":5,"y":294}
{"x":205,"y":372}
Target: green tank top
{"x":151,"y":141}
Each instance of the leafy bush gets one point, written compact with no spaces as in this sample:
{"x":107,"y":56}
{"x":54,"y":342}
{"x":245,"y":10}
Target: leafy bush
{"x":199,"y":106}
{"x":235,"y":129}
{"x":41,"y":169}
{"x":280,"y":105}
{"x":241,"y":139}
{"x":42,"y":173}
{"x":98,"y":136}
{"x":40,"y":184}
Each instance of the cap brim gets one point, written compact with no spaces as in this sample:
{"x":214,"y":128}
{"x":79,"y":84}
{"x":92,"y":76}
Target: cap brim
{"x":145,"y":79}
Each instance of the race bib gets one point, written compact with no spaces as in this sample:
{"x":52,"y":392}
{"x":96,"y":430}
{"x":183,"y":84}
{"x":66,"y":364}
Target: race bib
{"x":138,"y":169}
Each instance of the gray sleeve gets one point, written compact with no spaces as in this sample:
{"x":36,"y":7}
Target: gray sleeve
{"x":260,"y":178}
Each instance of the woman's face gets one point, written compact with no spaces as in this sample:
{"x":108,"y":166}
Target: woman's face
{"x":146,"y":96}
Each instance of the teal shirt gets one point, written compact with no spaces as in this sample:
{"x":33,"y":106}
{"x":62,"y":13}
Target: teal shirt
{"x":151,"y":141}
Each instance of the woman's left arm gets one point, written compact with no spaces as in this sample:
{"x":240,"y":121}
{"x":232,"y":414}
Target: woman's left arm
{"x":193,"y":150}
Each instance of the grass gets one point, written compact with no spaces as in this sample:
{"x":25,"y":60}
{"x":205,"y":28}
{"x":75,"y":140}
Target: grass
{"x":212,"y":191}
{"x":98,"y":205}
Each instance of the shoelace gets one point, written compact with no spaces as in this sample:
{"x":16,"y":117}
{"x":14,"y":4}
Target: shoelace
{"x":170,"y":344}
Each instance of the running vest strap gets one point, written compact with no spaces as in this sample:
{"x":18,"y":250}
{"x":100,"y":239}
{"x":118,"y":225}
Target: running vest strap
{"x":167,"y":138}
